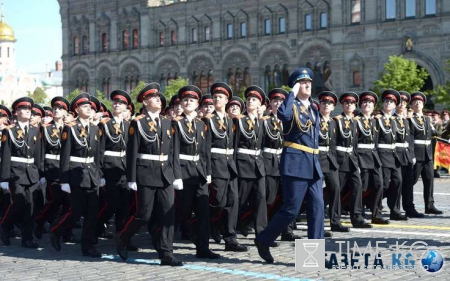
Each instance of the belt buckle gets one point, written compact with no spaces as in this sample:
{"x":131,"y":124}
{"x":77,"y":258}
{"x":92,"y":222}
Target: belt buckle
{"x":161,"y":157}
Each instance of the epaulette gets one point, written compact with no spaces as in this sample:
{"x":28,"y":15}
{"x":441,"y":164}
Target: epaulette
{"x":105,"y":120}
{"x":178,"y":118}
{"x":198,"y":119}
{"x":10,"y":127}
{"x":378,"y":116}
{"x":209,"y":116}
{"x":357,"y":118}
{"x":338,"y":117}
{"x":163,"y":117}
{"x":240,"y":116}
{"x":392,"y":117}
{"x":71,"y":124}
{"x":264,"y":118}
{"x":46,"y":125}
{"x":139,"y":117}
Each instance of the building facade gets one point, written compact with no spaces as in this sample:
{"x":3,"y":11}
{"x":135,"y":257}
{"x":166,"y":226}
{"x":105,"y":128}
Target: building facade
{"x":111,"y":44}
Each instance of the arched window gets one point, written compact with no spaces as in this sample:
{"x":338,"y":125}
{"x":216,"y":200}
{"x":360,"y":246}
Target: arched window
{"x":173,"y":37}
{"x":135,"y":38}
{"x":85,"y":45}
{"x":125,"y":40}
{"x":356,"y":11}
{"x":356,"y":79}
{"x":75,"y":45}
{"x":161,"y":38}
{"x":106,"y":86}
{"x":277,"y":76}
{"x":105,"y":44}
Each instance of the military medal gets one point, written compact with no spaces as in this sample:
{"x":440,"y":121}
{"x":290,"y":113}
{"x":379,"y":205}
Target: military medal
{"x":250,"y":124}
{"x":55,"y":133}
{"x":347,"y":124}
{"x":189,"y":125}
{"x":83,"y":133}
{"x":152,"y":124}
{"x":366,"y":124}
{"x":420,"y":120}
{"x":400,"y":121}
{"x":324,"y":126}
{"x":303,"y":109}
{"x":117,"y":128}
{"x":387,"y":122}
{"x":20,"y":134}
{"x":221,"y":124}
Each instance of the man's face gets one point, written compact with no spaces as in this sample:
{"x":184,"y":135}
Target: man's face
{"x":59,"y":112}
{"x":234,"y":110}
{"x":220,"y":100}
{"x":388,"y":105}
{"x":24,"y":113}
{"x":367,"y":107}
{"x":189,"y":104}
{"x":305,"y":88}
{"x":417,"y":105}
{"x":153,"y":103}
{"x":348,"y":107}
{"x":35,"y":119}
{"x":177,"y":110}
{"x":85,"y":111}
{"x":275,"y":104}
{"x":446,"y":117}
{"x":253,"y":103}
{"x":326,"y":107}
{"x":3,"y":122}
{"x":208,"y":109}
{"x":401,"y":107}
{"x":118,"y":108}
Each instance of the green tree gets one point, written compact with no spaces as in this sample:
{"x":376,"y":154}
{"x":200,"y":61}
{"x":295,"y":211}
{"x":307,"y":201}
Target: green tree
{"x":134,"y":93}
{"x":102,"y":98}
{"x":441,"y":92}
{"x":72,"y":95}
{"x":174,"y":86}
{"x":401,"y":74}
{"x":39,"y":96}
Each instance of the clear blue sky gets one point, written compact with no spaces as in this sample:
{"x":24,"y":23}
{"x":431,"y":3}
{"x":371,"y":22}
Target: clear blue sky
{"x":37,"y":27}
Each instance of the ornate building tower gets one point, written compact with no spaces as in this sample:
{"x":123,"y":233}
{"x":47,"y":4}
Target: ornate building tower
{"x":7,"y":41}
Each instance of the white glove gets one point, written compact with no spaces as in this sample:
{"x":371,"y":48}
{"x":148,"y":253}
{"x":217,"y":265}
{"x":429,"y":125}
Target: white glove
{"x":208,"y":179}
{"x":178,"y":184}
{"x":65,"y":187}
{"x":132,"y":185}
{"x":102,"y":182}
{"x":5,"y":185}
{"x":43,"y":181}
{"x":414,"y":161}
{"x":296,"y":88}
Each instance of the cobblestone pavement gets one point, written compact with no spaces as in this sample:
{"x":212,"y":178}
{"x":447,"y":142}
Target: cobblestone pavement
{"x":17,"y":263}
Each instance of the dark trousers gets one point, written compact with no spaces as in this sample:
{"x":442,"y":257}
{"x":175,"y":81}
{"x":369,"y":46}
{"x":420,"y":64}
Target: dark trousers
{"x":392,"y":188}
{"x":425,"y":169}
{"x":333,"y":190}
{"x":116,"y":203}
{"x":194,"y":197}
{"x":372,"y":189}
{"x":84,"y":203}
{"x":56,"y":198}
{"x":20,"y":211}
{"x":351,"y":185}
{"x":224,"y":207}
{"x":294,"y":190}
{"x":146,"y":197}
{"x":408,"y":188}
{"x":252,"y":200}
{"x":272,"y":184}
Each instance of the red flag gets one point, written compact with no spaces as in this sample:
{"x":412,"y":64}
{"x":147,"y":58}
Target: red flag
{"x":442,"y":155}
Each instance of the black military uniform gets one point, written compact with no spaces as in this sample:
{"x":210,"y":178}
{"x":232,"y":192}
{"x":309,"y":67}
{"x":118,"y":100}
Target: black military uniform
{"x":369,"y":161}
{"x":113,"y":144}
{"x":392,"y":178}
{"x":192,"y":164}
{"x":150,"y":171}
{"x":349,"y":177}
{"x":20,"y":171}
{"x":80,"y":174}
{"x":4,"y":195}
{"x":51,"y":139}
{"x":421,"y":133}
{"x":223,"y":194}
{"x":405,"y":150}
{"x":329,"y":164}
{"x":249,"y":138}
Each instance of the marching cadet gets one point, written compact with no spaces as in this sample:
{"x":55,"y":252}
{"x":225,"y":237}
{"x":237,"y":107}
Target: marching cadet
{"x":37,"y":113}
{"x":207,"y":105}
{"x":175,"y":106}
{"x":327,"y":158}
{"x":301,"y":129}
{"x":5,"y":115}
{"x":421,"y":133}
{"x":49,"y":114}
{"x":192,"y":164}
{"x":273,"y":146}
{"x":367,"y":133}
{"x":51,"y":138}
{"x":391,"y":171}
{"x":349,"y":172}
{"x":249,"y":137}
{"x":113,"y":144}
{"x":405,"y":149}
{"x":20,"y":171}
{"x":80,"y":175}
{"x":234,"y":107}
{"x":150,"y":173}
{"x":224,"y":202}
